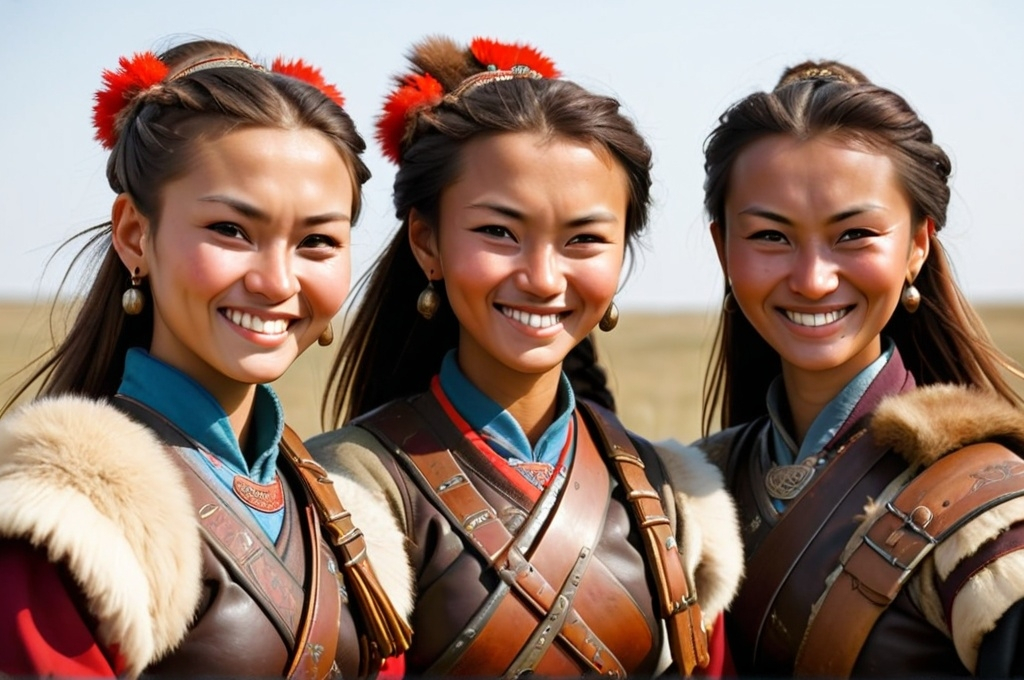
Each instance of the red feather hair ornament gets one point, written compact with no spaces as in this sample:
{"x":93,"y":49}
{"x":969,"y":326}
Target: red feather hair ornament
{"x":503,"y":56}
{"x":136,"y":74}
{"x":300,"y":70}
{"x":417,"y":92}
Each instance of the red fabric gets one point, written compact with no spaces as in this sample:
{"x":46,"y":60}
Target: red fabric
{"x":393,"y":668}
{"x":42,"y":631}
{"x":721,"y":665}
{"x":500,"y":463}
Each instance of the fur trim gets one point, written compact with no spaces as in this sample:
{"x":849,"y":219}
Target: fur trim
{"x":708,"y":527}
{"x":385,"y":542}
{"x":982,"y":602}
{"x":77,"y":476}
{"x":927,"y":423}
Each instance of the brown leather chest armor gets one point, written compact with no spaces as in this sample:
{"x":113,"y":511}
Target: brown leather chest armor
{"x":250,"y":616}
{"x":902,"y":642}
{"x":463,"y":625}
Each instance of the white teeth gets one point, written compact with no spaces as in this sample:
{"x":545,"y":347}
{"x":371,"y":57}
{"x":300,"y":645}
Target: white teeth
{"x":256,"y":324}
{"x":815,"y":320}
{"x":531,"y":320}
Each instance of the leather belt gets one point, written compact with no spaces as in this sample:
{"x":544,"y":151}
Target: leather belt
{"x":942,"y":498}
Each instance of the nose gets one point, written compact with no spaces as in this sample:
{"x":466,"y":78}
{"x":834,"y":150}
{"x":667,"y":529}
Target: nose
{"x":540,"y":272}
{"x":272,"y":275}
{"x":814,"y":274}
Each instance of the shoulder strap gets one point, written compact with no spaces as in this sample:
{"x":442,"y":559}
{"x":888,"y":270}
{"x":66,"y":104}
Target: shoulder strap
{"x":387,"y":634}
{"x":306,"y":618}
{"x":677,"y":596}
{"x":934,"y":504}
{"x":520,"y":561}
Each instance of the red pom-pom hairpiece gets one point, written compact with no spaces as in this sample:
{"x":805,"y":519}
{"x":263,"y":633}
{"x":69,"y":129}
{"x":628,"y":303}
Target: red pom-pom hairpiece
{"x":136,"y":74}
{"x":417,"y":92}
{"x":300,"y":70}
{"x":506,"y":56}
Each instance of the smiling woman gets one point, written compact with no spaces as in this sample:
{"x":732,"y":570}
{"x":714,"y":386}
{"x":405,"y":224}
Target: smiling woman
{"x":545,"y":537}
{"x":870,"y":438}
{"x":227,"y":256}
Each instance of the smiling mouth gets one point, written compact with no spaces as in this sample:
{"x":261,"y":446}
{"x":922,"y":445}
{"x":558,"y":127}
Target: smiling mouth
{"x":255,"y":324}
{"x":815,"y":320}
{"x":530,"y":319}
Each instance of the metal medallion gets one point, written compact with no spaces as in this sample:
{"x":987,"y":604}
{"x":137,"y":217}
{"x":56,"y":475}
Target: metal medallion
{"x":785,"y":482}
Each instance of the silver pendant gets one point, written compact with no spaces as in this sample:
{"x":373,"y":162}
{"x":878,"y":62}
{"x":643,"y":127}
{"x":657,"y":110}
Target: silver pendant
{"x":785,"y":482}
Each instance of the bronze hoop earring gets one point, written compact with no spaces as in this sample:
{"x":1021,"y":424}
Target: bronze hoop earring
{"x":729,"y":305}
{"x":428,"y":301}
{"x":610,"y":319}
{"x":910,"y":298}
{"x":327,"y":337}
{"x":133,"y":300}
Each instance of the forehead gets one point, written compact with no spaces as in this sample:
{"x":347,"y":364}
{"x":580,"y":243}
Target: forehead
{"x":820,"y":171}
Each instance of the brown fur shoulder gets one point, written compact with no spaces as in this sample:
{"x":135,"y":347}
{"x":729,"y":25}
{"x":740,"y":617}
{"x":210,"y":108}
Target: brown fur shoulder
{"x":927,"y":423}
{"x":98,"y":492}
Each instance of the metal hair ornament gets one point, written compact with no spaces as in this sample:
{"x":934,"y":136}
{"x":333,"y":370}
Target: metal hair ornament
{"x":419,"y":92}
{"x":144,"y":70}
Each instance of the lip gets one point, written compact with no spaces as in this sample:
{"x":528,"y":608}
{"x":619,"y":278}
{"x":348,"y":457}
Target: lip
{"x":536,"y":320}
{"x":259,"y":323}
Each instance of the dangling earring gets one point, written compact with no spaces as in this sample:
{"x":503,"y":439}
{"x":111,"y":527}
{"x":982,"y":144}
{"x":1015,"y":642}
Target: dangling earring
{"x":910,"y":297}
{"x":133,"y":299}
{"x":428,"y":301}
{"x":729,"y":305}
{"x":610,"y":319}
{"x":327,"y":337}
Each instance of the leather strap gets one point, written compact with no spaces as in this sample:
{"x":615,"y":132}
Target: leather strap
{"x":306,"y":617}
{"x":935,"y":503}
{"x":384,"y":632}
{"x":677,"y":596}
{"x":524,"y":565}
{"x":774,"y":560}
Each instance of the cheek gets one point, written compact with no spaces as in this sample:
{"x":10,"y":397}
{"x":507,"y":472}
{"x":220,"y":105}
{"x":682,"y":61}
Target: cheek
{"x":326,"y":285}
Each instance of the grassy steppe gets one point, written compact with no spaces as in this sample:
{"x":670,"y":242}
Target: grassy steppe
{"x":655,"y":362}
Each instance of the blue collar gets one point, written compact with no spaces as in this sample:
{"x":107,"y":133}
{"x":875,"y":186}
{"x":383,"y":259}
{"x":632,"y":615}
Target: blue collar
{"x":825,"y":426}
{"x":190,"y":407}
{"x":501,"y":431}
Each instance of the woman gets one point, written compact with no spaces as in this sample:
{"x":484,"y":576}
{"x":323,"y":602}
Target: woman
{"x":159,"y":516}
{"x":870,"y":439}
{"x":543,"y":536}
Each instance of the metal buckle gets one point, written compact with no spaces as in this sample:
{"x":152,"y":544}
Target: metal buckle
{"x":916,"y":526}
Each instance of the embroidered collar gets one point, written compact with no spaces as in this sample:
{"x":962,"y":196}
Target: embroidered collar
{"x":192,"y":408}
{"x":497,"y":426}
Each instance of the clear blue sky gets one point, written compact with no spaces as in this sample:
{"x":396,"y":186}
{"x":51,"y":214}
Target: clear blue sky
{"x":675,"y":65}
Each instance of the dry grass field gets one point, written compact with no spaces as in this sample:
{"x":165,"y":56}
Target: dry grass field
{"x":655,"y":363}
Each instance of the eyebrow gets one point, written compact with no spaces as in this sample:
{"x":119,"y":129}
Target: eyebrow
{"x":582,"y":221}
{"x":254,"y":213}
{"x":834,"y":219}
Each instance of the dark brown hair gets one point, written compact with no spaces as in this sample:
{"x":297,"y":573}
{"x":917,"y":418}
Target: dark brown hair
{"x":157,"y":137}
{"x":945,"y":340}
{"x":390,"y":351}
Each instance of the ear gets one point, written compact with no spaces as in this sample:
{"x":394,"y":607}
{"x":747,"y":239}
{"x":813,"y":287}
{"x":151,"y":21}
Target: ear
{"x":718,"y":236}
{"x":130,"y":233}
{"x":423,"y":241}
{"x":920,"y":246}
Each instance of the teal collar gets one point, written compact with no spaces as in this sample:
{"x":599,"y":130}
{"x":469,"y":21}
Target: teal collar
{"x":831,"y":418}
{"x":501,"y":431}
{"x":194,"y":410}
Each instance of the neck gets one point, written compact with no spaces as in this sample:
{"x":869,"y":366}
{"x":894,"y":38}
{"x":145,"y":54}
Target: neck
{"x":530,"y":398}
{"x":807,"y":395}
